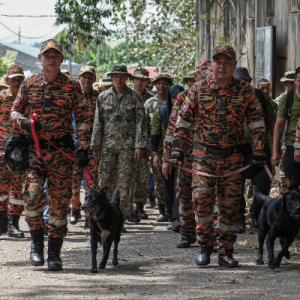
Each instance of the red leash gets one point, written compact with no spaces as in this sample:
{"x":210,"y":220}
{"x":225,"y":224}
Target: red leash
{"x":38,"y":152}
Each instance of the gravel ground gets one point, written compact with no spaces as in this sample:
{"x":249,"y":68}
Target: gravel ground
{"x":150,"y":267}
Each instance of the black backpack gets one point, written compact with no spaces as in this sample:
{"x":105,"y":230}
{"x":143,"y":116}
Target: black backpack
{"x":16,"y":154}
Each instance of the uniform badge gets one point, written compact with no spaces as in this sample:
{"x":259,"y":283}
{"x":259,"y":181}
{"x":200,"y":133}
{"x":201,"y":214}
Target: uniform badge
{"x":185,"y":106}
{"x":174,"y":114}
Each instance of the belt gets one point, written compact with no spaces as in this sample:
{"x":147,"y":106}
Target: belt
{"x":217,"y":151}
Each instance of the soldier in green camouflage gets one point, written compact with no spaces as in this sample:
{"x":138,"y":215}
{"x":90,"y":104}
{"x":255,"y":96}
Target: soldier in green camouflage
{"x":140,"y":189}
{"x":189,"y":79}
{"x":118,"y":137}
{"x":162,"y":82}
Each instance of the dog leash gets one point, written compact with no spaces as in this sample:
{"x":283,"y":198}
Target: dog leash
{"x":38,"y":152}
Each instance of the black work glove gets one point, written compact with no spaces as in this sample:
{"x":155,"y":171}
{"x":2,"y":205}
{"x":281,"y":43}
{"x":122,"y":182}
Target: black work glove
{"x":82,"y":158}
{"x":26,"y":124}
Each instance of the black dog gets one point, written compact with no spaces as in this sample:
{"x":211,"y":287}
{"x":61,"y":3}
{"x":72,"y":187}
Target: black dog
{"x":106,"y":222}
{"x":278,"y":218}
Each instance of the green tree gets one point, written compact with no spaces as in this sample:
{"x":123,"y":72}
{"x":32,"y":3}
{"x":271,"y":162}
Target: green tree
{"x":3,"y":67}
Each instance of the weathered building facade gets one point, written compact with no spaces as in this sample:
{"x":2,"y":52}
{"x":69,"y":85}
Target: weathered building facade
{"x":239,"y":20}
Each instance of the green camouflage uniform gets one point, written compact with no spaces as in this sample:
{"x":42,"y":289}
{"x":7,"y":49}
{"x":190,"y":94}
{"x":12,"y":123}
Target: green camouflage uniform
{"x":118,"y":130}
{"x":151,"y":106}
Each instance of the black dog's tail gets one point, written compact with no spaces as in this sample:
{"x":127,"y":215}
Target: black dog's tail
{"x":259,"y":196}
{"x":116,"y":197}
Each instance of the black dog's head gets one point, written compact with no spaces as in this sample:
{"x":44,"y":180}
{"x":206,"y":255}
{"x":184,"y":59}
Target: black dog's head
{"x":94,"y":201}
{"x":291,"y":204}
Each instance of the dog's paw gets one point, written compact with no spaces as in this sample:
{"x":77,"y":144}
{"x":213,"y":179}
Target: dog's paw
{"x":101,"y":266}
{"x":259,"y":262}
{"x":272,"y":265}
{"x":93,"y":270}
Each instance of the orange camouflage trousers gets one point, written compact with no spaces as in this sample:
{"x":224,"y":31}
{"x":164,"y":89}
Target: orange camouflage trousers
{"x":78,"y":175}
{"x":11,"y":191}
{"x":58,"y":169}
{"x":184,"y":194}
{"x":116,"y":171}
{"x":225,"y":190}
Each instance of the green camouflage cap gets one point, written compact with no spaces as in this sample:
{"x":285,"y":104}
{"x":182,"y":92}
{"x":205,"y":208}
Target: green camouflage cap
{"x":119,"y":69}
{"x":141,"y":73}
{"x":14,"y":71}
{"x":105,"y":81}
{"x":163,"y":76}
{"x":51,"y":44}
{"x":3,"y":83}
{"x":288,"y":76}
{"x":225,"y":49}
{"x":189,"y":75}
{"x":87,"y":69}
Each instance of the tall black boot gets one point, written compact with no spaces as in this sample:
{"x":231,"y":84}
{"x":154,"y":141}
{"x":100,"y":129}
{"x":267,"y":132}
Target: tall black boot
{"x":13,"y":227}
{"x":3,"y":222}
{"x":54,"y":260}
{"x":37,"y":247}
{"x":139,"y":210}
{"x":162,"y":216}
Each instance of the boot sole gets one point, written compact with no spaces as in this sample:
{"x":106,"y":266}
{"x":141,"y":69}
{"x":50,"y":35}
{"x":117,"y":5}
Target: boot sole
{"x":200,"y":265}
{"x":20,"y":236}
{"x":221,"y":264}
{"x":38,"y":264}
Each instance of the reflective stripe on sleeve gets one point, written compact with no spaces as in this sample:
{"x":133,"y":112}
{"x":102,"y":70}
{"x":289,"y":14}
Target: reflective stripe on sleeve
{"x":258,"y":124}
{"x":184,"y":124}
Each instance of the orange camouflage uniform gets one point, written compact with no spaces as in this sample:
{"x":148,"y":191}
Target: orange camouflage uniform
{"x":10,"y":185}
{"x":184,"y":180}
{"x":65,"y":96}
{"x":219,"y":114}
{"x":89,"y":108}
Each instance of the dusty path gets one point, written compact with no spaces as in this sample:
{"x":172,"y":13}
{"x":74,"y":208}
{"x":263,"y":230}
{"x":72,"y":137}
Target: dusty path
{"x":150,"y":267}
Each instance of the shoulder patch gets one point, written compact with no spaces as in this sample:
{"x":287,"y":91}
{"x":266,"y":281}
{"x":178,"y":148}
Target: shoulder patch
{"x":174,"y":114}
{"x":185,"y":106}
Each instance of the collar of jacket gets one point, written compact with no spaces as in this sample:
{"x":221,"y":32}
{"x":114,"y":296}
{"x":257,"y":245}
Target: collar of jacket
{"x":113,"y":91}
{"x":232,"y":84}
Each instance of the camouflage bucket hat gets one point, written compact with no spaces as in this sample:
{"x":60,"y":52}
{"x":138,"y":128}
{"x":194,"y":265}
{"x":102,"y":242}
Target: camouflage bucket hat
{"x":105,"y":81}
{"x":204,"y":68}
{"x":225,"y":49}
{"x":3,"y":83}
{"x":14,"y":71}
{"x":288,"y":76}
{"x":189,"y":75}
{"x":119,"y":69}
{"x":163,"y":76}
{"x":87,"y":69}
{"x":51,"y":44}
{"x":141,"y":73}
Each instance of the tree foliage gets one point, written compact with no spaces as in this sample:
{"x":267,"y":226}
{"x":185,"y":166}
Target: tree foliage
{"x":3,"y":67}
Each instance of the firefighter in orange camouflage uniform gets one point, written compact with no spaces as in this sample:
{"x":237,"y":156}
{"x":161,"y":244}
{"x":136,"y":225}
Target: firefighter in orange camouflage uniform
{"x":53,"y":96}
{"x":87,"y":76}
{"x":10,"y":184}
{"x":219,"y":106}
{"x":184,"y":181}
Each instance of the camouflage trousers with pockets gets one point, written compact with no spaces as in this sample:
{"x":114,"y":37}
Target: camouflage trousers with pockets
{"x":58,"y":169}
{"x":225,"y":190}
{"x":11,"y":190}
{"x":78,"y":175}
{"x":116,"y":171}
{"x":184,"y":193}
{"x":140,"y":189}
{"x":159,"y":186}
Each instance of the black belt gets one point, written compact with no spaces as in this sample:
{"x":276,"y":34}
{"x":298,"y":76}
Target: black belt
{"x":217,"y":151}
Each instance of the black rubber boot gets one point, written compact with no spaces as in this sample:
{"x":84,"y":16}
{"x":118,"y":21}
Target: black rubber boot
{"x":37,"y":247}
{"x":161,"y":217}
{"x":13,"y":227}
{"x":185,"y":242}
{"x":74,"y":216}
{"x":151,"y":201}
{"x":133,"y":219}
{"x":3,"y":222}
{"x":203,"y":255}
{"x":226,"y":260}
{"x":54,"y":260}
{"x":139,"y":210}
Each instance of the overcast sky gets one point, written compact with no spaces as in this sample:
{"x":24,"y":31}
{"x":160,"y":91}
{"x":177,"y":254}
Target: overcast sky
{"x":43,"y":28}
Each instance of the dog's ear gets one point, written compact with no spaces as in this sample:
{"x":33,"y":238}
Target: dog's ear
{"x":103,"y":191}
